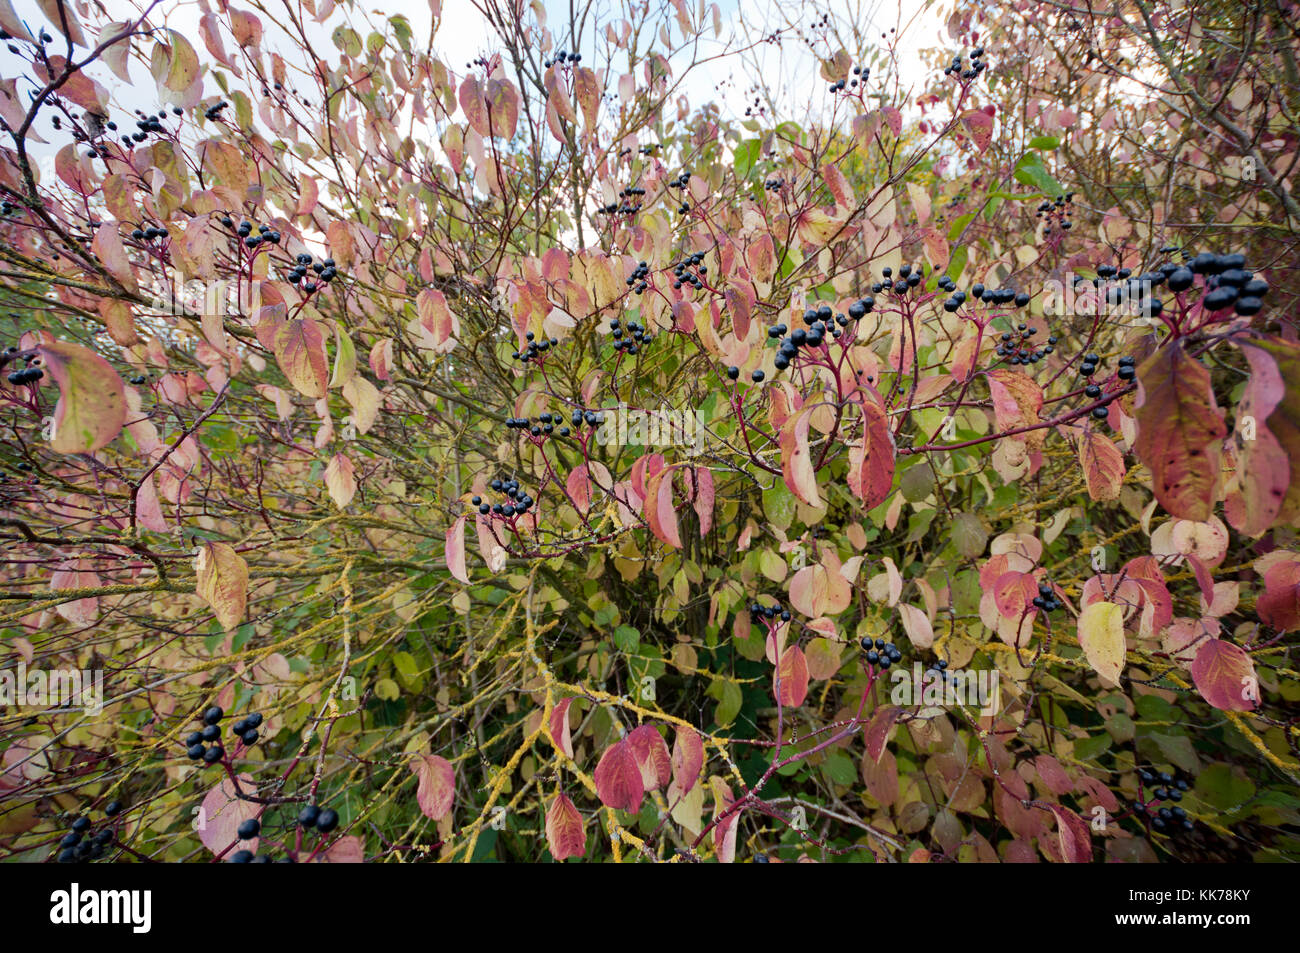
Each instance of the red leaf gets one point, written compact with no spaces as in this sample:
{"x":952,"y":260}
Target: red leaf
{"x":659,"y":511}
{"x":651,"y":755}
{"x":1180,"y":432}
{"x":790,"y":681}
{"x":871,"y":462}
{"x":702,"y":496}
{"x":1225,"y":676}
{"x":437,"y":788}
{"x":1073,"y":836}
{"x":980,"y":126}
{"x":878,"y":729}
{"x":566,"y":835}
{"x":618,"y":778}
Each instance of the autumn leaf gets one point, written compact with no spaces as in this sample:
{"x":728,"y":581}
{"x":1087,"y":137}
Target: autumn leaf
{"x":652,"y":758}
{"x":1225,"y":676}
{"x":340,"y":480}
{"x":618,"y":778}
{"x":436,"y":787}
{"x":300,"y":352}
{"x":92,"y":402}
{"x":687,"y":758}
{"x":1073,"y":836}
{"x":222,"y":582}
{"x":872,"y":460}
{"x":566,"y":834}
{"x":455,"y":551}
{"x":1103,"y":465}
{"x":1179,"y":432}
{"x":796,"y":459}
{"x":790,"y":680}
{"x":1101,"y":634}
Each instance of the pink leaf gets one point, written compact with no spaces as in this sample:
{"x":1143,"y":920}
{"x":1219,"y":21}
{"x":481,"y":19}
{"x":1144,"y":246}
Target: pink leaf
{"x":688,"y":758}
{"x":437,"y":785}
{"x":618,"y":778}
{"x":456,"y":551}
{"x":659,"y":511}
{"x":1225,"y":676}
{"x":796,"y":459}
{"x":651,"y":754}
{"x":559,"y":726}
{"x":221,"y":813}
{"x":566,"y":835}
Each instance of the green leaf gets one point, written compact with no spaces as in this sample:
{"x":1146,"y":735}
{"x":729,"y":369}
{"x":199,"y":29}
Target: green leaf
{"x":1045,"y":143}
{"x":1031,"y":171}
{"x":1089,"y":749}
{"x":627,"y":639}
{"x":1223,"y":788}
{"x":839,"y":768}
{"x":959,"y":226}
{"x":746,"y":155}
{"x":729,"y":699}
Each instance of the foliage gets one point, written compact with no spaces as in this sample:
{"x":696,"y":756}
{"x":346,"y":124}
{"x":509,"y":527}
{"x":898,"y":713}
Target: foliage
{"x":542,"y":462}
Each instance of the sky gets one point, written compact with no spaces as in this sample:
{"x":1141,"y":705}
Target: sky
{"x":463,"y":34}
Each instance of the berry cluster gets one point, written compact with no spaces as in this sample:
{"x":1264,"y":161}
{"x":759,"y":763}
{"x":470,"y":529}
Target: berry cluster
{"x":7,"y":208}
{"x":1228,"y":283}
{"x":773,"y":614}
{"x":858,"y":71}
{"x":29,"y":373}
{"x":881,"y":653}
{"x":1046,"y":598}
{"x":1127,"y":371}
{"x":545,"y":425}
{"x":909,"y":277}
{"x":631,"y":342}
{"x":150,"y":233}
{"x":265,"y":233}
{"x":562,"y":57}
{"x":246,"y":728}
{"x":1165,"y":787}
{"x":203,"y":745}
{"x":324,"y":821}
{"x":774,"y":185}
{"x":1019,"y":348}
{"x":520,"y":501}
{"x":80,"y":844}
{"x":535,"y":348}
{"x":214,"y":111}
{"x":1057,"y":213}
{"x":682,"y":274}
{"x":623,"y":206}
{"x":325,"y":271}
{"x":681,"y":182}
{"x":977,"y":65}
{"x":637,"y":280}
{"x":1123,"y":287}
